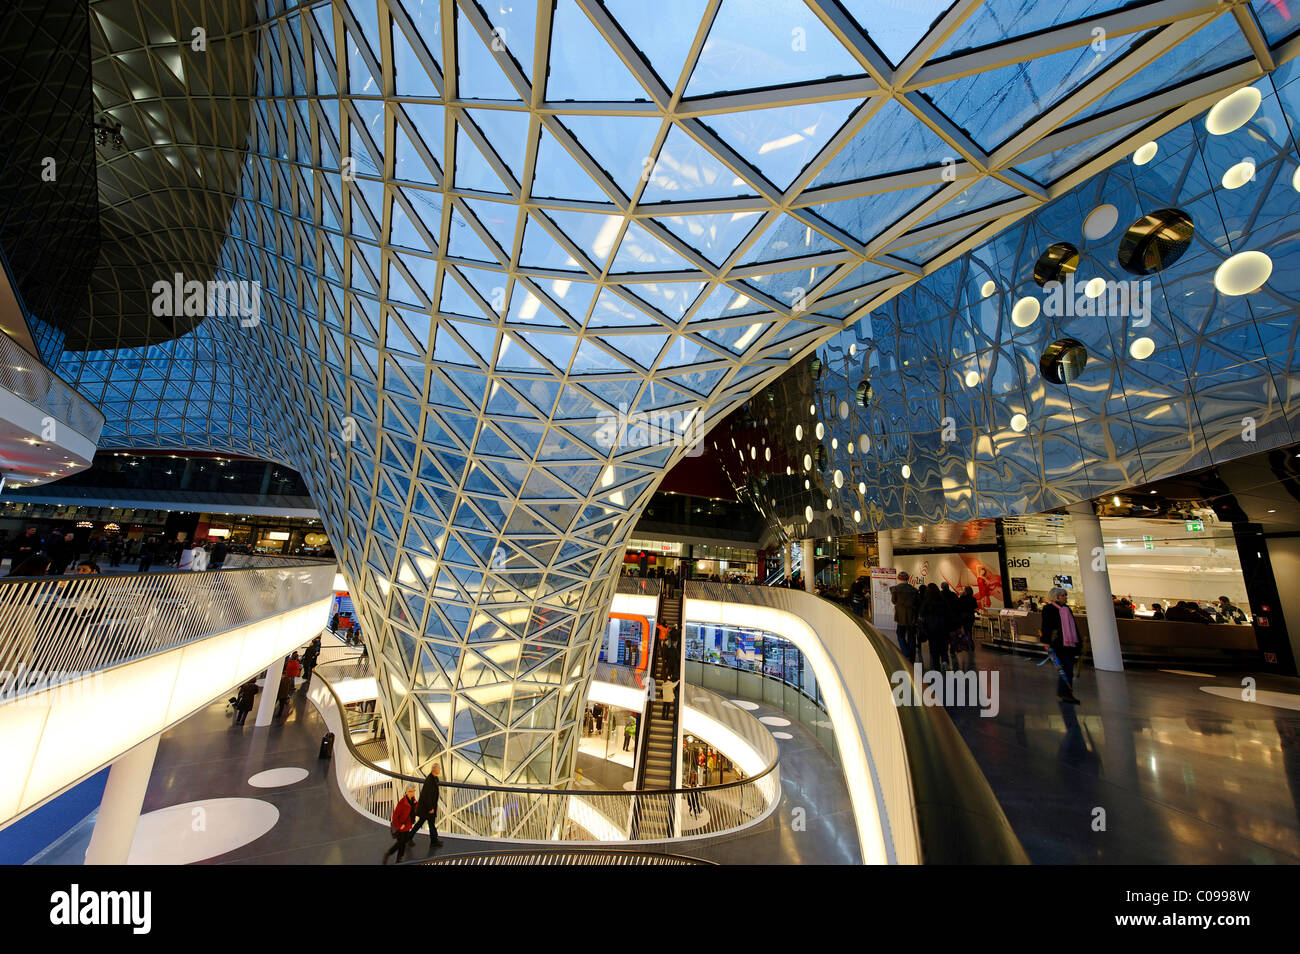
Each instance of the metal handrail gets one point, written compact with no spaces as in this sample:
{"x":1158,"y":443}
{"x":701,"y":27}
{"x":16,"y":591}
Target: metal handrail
{"x":957,"y":816}
{"x":639,"y":586}
{"x":27,"y":377}
{"x":562,"y":856}
{"x":58,"y":629}
{"x":522,"y":814}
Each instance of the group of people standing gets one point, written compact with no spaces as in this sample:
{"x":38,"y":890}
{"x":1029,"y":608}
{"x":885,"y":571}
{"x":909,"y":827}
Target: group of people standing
{"x":936,"y":615}
{"x":34,"y":554}
{"x":295,"y":665}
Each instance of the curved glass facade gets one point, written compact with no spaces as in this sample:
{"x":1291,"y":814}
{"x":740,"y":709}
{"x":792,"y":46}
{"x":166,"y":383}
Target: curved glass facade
{"x":492,"y":269}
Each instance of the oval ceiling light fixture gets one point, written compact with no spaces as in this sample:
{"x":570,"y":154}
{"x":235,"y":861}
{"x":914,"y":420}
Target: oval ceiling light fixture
{"x":857,"y":516}
{"x":1100,"y":222}
{"x":829,"y":505}
{"x":972,"y":378}
{"x":1243,"y":273}
{"x":798,"y":432}
{"x":1025,"y":312}
{"x":1095,"y":288}
{"x":1233,"y":111}
{"x":907,"y":471}
{"x":808,"y":513}
{"x":807,"y":485}
{"x":1145,"y":153}
{"x":1019,"y":422}
{"x":1238,"y":175}
{"x":1142,"y":348}
{"x":990,"y":286}
{"x":1295,"y":179}
{"x":807,"y":462}
{"x":812,"y":410}
{"x":844,"y":410}
{"x":767,"y":453}
{"x":839,"y":478}
{"x":820,"y":430}
{"x":862,"y":487}
{"x":853,"y":350}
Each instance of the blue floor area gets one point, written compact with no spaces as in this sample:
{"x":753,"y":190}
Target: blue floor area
{"x":37,"y":831}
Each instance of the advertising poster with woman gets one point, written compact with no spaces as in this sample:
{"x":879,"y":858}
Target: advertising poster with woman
{"x":979,"y":571}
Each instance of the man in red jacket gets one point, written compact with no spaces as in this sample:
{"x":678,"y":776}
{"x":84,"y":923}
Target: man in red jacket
{"x":403,"y":816}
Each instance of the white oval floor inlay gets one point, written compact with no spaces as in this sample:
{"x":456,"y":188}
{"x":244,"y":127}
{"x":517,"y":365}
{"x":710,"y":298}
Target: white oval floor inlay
{"x":194,"y":831}
{"x":690,"y":823}
{"x":276,"y":777}
{"x":629,"y":786}
{"x":745,"y":704}
{"x":1279,"y":700}
{"x":773,"y":720}
{"x":782,"y":735}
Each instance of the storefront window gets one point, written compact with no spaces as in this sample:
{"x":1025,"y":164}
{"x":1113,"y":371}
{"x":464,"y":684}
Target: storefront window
{"x":751,"y":651}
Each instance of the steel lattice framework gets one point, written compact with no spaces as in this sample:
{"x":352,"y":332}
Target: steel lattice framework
{"x":482,"y":233}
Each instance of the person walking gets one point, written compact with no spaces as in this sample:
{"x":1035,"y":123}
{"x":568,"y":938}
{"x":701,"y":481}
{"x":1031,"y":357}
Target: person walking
{"x":285,"y":692}
{"x":906,"y":599}
{"x":426,"y":809}
{"x":309,"y":659}
{"x":217,"y":559}
{"x":400,"y":826}
{"x":148,"y":550}
{"x":244,"y":700}
{"x":629,"y":731}
{"x":1061,"y":633}
{"x":936,"y":624}
{"x":964,"y":637}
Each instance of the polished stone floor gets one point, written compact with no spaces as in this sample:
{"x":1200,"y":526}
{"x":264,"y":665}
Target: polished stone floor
{"x":1183,"y":776}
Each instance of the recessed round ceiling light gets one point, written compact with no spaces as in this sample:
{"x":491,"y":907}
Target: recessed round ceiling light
{"x":808,"y":513}
{"x":1295,"y":179}
{"x":1145,"y":153}
{"x":1243,"y":273}
{"x":857,"y":516}
{"x":972,"y":378}
{"x":798,"y":432}
{"x":862,"y":486}
{"x":1233,"y":111}
{"x":807,"y":462}
{"x":839,"y":478}
{"x":1025,"y":312}
{"x":853,"y":350}
{"x":1019,"y":422}
{"x":1238,"y":175}
{"x":820,"y":430}
{"x":1142,"y":348}
{"x":1095,"y":287}
{"x":812,"y":409}
{"x":907,"y":471}
{"x":1100,"y":222}
{"x":767,"y":453}
{"x":990,"y":286}
{"x":864,"y":443}
{"x":829,"y":505}
{"x":844,"y":410}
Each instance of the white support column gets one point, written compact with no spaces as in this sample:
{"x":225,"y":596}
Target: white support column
{"x":885,"y":544}
{"x":266,"y":706}
{"x":1103,"y":634}
{"x":119,"y":809}
{"x":809,"y":565}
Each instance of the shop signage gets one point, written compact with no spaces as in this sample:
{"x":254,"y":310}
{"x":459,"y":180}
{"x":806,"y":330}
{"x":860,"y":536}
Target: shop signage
{"x":1195,"y":526}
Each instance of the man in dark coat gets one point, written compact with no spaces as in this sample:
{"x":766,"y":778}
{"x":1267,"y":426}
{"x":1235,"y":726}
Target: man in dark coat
{"x":244,"y":701}
{"x":906,"y":602}
{"x":426,"y":809}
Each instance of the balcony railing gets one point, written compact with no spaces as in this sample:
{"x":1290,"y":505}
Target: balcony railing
{"x":542,"y":815}
{"x":56,"y":629}
{"x":27,"y":377}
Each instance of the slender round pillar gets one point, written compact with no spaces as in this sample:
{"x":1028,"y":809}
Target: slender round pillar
{"x":885,"y":545}
{"x":1103,"y":633}
{"x":809,"y":565}
{"x":266,"y":706}
{"x":119,"y":809}
{"x":785,"y":559}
